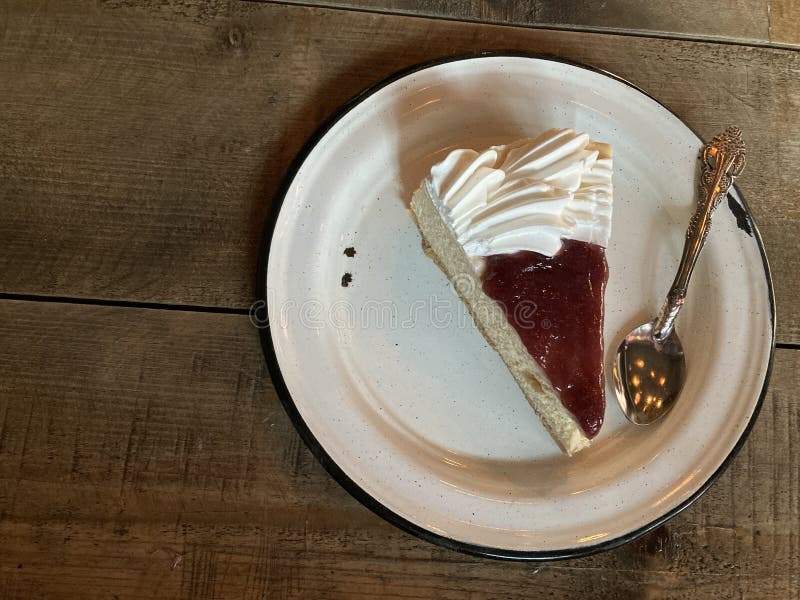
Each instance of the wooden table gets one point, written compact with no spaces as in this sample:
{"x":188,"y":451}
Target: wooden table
{"x":143,"y":452}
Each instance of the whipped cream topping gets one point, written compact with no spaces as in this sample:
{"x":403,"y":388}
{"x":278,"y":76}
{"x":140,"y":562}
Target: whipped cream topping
{"x":526,"y":195}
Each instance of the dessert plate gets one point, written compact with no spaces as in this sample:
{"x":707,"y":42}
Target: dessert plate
{"x":395,"y":391}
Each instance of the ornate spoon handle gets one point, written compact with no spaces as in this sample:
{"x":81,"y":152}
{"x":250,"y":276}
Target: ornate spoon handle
{"x":723,"y":161}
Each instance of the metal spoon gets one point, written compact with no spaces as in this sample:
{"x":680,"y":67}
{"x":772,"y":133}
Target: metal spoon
{"x":650,"y":367}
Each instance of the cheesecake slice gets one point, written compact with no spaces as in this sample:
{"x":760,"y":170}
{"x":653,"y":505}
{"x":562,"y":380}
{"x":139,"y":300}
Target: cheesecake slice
{"x":520,"y":230}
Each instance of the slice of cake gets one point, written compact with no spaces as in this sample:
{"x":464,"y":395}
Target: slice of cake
{"x":521,"y":232}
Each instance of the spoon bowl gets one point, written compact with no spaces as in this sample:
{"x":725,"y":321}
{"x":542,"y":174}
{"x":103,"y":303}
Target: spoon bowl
{"x":649,"y":373}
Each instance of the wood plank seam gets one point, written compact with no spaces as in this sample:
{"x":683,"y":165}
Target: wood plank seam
{"x":227,"y":310}
{"x":639,"y":33}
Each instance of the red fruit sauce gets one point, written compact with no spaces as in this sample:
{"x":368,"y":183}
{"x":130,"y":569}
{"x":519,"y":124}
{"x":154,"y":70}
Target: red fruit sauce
{"x":556,"y":306}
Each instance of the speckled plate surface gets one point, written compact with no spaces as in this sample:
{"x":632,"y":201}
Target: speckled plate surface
{"x":397,"y":393}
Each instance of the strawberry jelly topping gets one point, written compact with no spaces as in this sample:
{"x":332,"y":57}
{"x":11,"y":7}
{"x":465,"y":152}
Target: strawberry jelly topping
{"x":556,"y":306}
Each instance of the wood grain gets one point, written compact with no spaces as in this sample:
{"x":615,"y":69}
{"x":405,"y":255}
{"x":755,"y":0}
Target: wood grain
{"x":141,"y":145}
{"x":784,"y":21}
{"x":741,"y":20}
{"x":143,"y":454}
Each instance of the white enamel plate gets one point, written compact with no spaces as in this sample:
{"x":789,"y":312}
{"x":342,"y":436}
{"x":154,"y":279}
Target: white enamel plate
{"x":394,"y":389}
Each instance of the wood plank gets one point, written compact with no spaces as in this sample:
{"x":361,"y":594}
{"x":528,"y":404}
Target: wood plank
{"x":141,"y":145}
{"x":741,"y":20}
{"x":143,"y":454}
{"x":784,"y":21}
